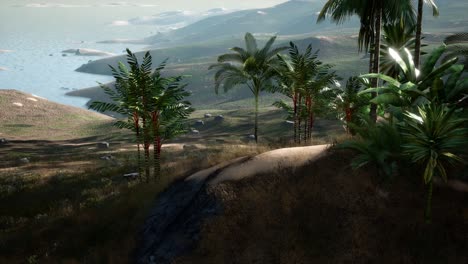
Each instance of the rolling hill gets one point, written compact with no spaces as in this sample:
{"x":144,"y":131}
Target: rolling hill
{"x":193,"y":48}
{"x":26,"y":117}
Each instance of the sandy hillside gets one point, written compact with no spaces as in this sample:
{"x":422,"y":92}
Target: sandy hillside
{"x":26,"y":116}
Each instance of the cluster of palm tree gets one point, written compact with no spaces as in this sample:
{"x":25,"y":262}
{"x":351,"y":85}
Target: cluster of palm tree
{"x":425,"y":109}
{"x":153,"y":105}
{"x":307,"y":81}
{"x":424,"y":106}
{"x":373,"y":15}
{"x":299,"y":76}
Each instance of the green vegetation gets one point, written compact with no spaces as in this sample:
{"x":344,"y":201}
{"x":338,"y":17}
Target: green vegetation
{"x":147,"y":98}
{"x":436,"y":138}
{"x":306,"y":80}
{"x":424,"y":107}
{"x":67,"y":201}
{"x":252,"y":67}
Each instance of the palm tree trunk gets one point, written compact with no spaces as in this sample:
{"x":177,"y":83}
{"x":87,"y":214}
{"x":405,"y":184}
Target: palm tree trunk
{"x":428,"y":212}
{"x":256,"y":117}
{"x":156,"y":147}
{"x":299,"y":120}
{"x":157,"y":159}
{"x":347,"y":117}
{"x":376,"y":68}
{"x":311,"y":122}
{"x":306,"y":124}
{"x":146,"y":145}
{"x":295,"y":118}
{"x":137,"y":130}
{"x":417,"y":48}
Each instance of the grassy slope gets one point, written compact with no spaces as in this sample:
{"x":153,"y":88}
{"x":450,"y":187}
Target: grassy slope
{"x":38,"y":118}
{"x":327,"y":213}
{"x":69,"y":206}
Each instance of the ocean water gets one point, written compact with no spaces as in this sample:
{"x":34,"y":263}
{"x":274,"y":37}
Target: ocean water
{"x":37,"y":37}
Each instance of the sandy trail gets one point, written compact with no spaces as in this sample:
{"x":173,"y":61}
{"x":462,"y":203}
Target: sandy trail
{"x":271,"y":161}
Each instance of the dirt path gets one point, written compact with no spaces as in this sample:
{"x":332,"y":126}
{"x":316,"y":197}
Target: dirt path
{"x":173,"y":226}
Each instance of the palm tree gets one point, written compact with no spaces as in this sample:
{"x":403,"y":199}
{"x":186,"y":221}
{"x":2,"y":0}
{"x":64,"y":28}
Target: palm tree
{"x":349,"y":103}
{"x":318,"y":95}
{"x":435,"y":138}
{"x":397,"y":36}
{"x":167,"y":111}
{"x":372,"y":14}
{"x":153,"y":105}
{"x":435,"y":12}
{"x":251,"y":67}
{"x":441,"y":83}
{"x":303,"y":78}
{"x":125,"y":97}
{"x":293,"y":76}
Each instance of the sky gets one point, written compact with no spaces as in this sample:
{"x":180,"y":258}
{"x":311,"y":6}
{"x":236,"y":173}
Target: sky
{"x":195,"y":5}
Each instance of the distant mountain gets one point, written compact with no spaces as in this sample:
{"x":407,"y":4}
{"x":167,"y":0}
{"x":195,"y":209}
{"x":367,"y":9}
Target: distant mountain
{"x":172,"y":20}
{"x":193,"y":48}
{"x":295,"y":17}
{"x":289,"y":18}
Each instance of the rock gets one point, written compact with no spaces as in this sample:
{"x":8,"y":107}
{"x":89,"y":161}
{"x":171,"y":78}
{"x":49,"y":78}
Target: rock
{"x":24,"y":160}
{"x":41,"y":216}
{"x":3,"y":141}
{"x":51,"y":55}
{"x":219,"y":118}
{"x":107,"y":157}
{"x":103,"y":145}
{"x":64,"y":55}
{"x":131,"y":176}
{"x":195,"y":132}
{"x":199,"y":123}
{"x":251,"y":137}
{"x":208,"y":115}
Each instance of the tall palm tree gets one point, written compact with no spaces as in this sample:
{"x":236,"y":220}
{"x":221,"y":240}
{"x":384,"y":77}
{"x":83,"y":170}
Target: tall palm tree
{"x":435,"y":12}
{"x":372,"y":14}
{"x":250,"y":66}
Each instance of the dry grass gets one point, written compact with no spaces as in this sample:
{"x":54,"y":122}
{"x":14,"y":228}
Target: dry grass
{"x":24,"y":116}
{"x":69,"y":206}
{"x":326,"y":213}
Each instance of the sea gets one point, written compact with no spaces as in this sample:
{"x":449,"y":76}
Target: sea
{"x":34,"y":38}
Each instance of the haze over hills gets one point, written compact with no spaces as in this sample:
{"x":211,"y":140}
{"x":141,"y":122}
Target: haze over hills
{"x":289,"y":18}
{"x":191,"y":49}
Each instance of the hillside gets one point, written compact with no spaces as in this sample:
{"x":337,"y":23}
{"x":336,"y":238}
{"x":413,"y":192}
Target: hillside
{"x":25,"y":116}
{"x":289,"y":18}
{"x":193,"y":61}
{"x":193,"y":48}
{"x":302,"y":205}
